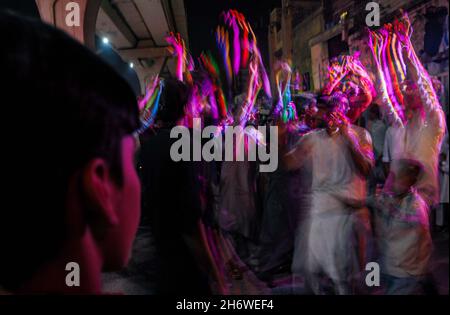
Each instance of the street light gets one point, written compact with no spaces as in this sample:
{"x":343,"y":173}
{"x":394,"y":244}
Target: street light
{"x":105,"y":40}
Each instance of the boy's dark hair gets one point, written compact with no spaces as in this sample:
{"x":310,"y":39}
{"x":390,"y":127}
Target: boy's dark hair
{"x":174,"y":98}
{"x":65,"y":107}
{"x":411,"y":168}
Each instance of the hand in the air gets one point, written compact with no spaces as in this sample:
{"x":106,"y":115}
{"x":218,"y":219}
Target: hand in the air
{"x":336,"y":122}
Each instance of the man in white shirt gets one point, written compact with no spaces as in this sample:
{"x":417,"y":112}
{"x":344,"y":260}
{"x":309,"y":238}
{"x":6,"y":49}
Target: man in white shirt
{"x":335,"y":236}
{"x":419,"y":139}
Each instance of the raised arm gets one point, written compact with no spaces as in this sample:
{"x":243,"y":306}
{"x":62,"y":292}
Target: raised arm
{"x":416,"y":70}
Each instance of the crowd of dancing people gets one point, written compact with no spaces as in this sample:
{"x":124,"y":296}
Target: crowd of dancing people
{"x":342,"y":196}
{"x":330,"y":208}
{"x":356,"y":182}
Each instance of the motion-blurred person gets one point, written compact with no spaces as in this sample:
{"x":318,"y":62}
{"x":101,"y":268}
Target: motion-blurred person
{"x":377,"y":129}
{"x":174,"y":205}
{"x":285,"y":202}
{"x":335,"y":235}
{"x":239,"y":205}
{"x":402,"y":231}
{"x":420,"y":138}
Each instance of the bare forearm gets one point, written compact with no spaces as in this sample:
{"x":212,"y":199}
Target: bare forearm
{"x":362,"y":157}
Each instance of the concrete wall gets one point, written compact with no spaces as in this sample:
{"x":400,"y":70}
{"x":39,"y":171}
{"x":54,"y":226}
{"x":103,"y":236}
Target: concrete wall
{"x":357,"y":42}
{"x":319,"y":63}
{"x":302,"y":33}
{"x":310,"y":36}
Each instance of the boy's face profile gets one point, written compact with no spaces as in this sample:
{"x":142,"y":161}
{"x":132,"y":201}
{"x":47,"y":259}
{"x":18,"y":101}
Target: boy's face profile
{"x":128,"y":205}
{"x":77,"y":199}
{"x":118,"y":206}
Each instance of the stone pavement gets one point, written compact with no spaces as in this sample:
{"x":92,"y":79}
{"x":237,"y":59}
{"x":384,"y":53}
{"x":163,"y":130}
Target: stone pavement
{"x":139,"y":277}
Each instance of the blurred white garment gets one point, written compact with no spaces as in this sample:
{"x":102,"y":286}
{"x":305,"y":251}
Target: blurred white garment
{"x":334,"y":235}
{"x":238,"y":202}
{"x":403,"y":235}
{"x":237,"y":205}
{"x":421,"y":142}
{"x":334,"y":172}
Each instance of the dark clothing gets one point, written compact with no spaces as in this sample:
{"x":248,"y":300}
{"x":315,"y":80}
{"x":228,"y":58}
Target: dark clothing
{"x":172,"y":203}
{"x":286,"y":202}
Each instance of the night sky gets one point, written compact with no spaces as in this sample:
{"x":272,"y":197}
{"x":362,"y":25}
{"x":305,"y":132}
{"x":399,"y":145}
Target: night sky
{"x":203,"y":18}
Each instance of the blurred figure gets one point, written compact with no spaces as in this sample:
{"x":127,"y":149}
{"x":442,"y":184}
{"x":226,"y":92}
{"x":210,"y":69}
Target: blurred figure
{"x":174,"y":203}
{"x":377,"y":129}
{"x":420,"y":139}
{"x":335,"y":235}
{"x":73,"y":194}
{"x":282,"y":200}
{"x":402,"y":231}
{"x":239,"y":206}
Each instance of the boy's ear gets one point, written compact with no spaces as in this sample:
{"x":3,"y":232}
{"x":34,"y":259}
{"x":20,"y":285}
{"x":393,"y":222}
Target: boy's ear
{"x":100,"y":190}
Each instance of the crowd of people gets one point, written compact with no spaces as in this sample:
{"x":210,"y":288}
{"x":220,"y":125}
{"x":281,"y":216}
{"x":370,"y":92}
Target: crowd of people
{"x":325,"y":213}
{"x":349,"y":189}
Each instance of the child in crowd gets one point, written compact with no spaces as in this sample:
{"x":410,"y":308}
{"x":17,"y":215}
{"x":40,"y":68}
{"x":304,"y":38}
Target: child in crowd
{"x":402,"y":231}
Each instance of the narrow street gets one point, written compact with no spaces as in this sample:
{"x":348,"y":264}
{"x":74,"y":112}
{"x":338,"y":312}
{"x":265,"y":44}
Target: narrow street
{"x":138,"y":277}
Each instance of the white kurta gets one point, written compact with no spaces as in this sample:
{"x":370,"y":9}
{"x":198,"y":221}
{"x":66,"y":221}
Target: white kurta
{"x":421,"y":142}
{"x":237,"y":205}
{"x":335,"y":235}
{"x":403,"y":236}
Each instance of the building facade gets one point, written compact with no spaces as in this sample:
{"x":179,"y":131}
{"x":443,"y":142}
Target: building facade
{"x":310,"y":33}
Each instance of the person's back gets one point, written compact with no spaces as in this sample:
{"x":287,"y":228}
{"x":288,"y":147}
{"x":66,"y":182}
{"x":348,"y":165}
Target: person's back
{"x":173,"y":202}
{"x":286,"y":201}
{"x":173,"y":210}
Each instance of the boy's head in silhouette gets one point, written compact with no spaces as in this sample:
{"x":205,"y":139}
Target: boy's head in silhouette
{"x":71,"y":188}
